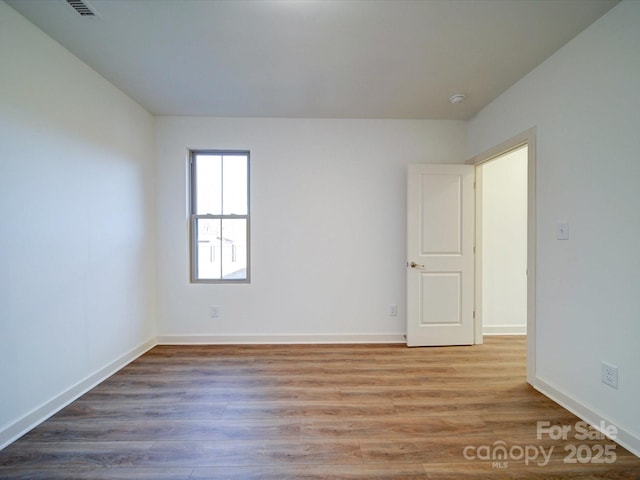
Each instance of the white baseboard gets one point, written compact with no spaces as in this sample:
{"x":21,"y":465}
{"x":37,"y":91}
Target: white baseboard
{"x":625,"y":438}
{"x":57,"y":403}
{"x":504,"y":329}
{"x":277,"y":339}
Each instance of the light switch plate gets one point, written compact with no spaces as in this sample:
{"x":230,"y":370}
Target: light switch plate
{"x":562,"y":231}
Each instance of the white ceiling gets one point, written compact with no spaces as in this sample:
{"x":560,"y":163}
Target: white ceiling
{"x":314,"y":58}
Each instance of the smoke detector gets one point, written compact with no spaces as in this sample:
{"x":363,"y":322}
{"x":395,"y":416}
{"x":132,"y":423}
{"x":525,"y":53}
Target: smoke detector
{"x":457,"y":98}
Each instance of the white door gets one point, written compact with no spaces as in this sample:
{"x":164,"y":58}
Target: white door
{"x":440,"y":264}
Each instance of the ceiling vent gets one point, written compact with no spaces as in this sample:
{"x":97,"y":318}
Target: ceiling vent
{"x":82,"y":8}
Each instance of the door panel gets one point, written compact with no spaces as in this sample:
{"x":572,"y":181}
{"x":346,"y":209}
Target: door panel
{"x":440,"y":266}
{"x":441,"y":298}
{"x":439,"y":206}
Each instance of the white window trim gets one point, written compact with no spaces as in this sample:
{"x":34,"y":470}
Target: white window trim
{"x":193,"y":250}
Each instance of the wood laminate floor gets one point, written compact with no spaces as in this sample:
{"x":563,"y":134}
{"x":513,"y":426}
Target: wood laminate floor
{"x":316,"y":412}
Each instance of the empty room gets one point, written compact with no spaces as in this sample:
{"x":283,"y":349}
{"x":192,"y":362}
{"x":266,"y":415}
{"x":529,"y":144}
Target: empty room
{"x":319,"y":239}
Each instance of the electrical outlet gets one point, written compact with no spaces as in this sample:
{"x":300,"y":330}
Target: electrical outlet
{"x":393,"y":310}
{"x":610,"y":374}
{"x":214,"y":311}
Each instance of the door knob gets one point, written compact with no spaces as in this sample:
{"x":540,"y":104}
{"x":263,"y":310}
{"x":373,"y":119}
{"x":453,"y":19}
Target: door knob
{"x":415,"y":265}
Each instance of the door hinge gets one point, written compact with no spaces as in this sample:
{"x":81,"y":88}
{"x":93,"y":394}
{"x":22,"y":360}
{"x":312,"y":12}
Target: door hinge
{"x":474,"y":314}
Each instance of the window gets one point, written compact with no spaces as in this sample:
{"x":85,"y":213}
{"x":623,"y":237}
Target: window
{"x":220,"y":216}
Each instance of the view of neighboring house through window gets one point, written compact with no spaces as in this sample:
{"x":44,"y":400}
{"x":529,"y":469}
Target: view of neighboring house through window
{"x":219,"y":216}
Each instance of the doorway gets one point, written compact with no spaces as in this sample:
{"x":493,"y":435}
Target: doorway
{"x":502,"y":186}
{"x":493,"y":163}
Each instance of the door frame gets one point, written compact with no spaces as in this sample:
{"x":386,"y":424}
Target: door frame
{"x":527,"y":138}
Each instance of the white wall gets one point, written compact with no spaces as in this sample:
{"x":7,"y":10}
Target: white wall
{"x":585,"y":104}
{"x":328,"y":226}
{"x":76,"y":228}
{"x":504,"y":244}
